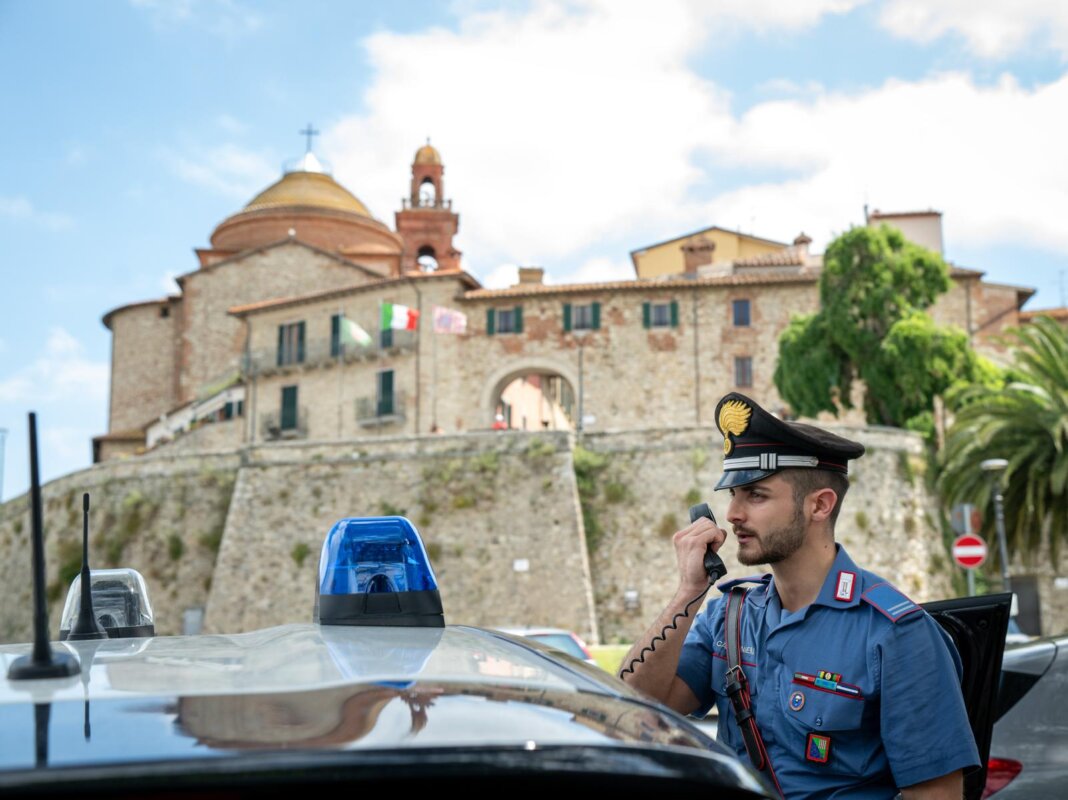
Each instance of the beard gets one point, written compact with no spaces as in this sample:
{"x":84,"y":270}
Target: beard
{"x":775,"y":545}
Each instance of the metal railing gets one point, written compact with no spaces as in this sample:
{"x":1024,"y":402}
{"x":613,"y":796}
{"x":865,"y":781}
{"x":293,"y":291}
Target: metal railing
{"x":275,"y":425}
{"x":381,"y":409}
{"x":320,"y":352}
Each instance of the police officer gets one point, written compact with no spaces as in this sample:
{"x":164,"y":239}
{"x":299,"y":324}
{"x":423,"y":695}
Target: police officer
{"x":855,"y":689}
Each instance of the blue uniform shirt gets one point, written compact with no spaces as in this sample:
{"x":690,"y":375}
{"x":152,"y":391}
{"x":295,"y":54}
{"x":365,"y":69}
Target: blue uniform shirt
{"x":856,"y":695}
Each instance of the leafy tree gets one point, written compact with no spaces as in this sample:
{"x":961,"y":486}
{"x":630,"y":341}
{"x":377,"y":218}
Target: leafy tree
{"x":874,"y":287}
{"x":1026,"y":423}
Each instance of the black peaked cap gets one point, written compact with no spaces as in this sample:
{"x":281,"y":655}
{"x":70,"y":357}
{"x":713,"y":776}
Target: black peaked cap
{"x":757,"y":444}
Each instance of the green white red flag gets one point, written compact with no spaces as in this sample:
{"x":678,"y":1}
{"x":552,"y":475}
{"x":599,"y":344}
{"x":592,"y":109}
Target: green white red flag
{"x":399,"y":318}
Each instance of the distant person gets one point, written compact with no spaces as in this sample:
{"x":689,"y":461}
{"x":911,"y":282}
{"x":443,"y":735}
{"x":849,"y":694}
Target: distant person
{"x":855,"y":689}
{"x":499,"y":424}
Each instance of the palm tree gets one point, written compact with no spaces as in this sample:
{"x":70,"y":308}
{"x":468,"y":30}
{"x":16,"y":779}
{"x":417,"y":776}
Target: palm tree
{"x":1026,"y":422}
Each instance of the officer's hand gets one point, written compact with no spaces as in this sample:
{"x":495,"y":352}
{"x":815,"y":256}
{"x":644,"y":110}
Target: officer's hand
{"x":690,"y":544}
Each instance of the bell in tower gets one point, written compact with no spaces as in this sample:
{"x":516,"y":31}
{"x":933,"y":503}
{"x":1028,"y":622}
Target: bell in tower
{"x":426,"y":221}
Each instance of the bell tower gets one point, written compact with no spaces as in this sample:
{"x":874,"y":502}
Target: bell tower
{"x":426,"y":221}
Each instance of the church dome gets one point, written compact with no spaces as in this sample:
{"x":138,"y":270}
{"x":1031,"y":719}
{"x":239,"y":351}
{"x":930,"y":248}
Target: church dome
{"x":307,"y":203}
{"x":427,"y":155}
{"x":313,"y":189}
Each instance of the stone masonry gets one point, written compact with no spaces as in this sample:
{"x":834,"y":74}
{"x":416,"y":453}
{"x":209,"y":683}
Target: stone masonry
{"x":239,"y":532}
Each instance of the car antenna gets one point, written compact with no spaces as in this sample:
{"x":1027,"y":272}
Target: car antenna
{"x":86,"y":626}
{"x":42,"y":662}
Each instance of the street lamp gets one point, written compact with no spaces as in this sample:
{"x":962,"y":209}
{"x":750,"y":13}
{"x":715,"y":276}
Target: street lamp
{"x":997,"y":466}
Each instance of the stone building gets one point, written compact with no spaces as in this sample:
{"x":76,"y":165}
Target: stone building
{"x":259,"y":341}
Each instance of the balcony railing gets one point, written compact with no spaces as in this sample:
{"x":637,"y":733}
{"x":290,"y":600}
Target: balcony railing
{"x":425,"y":202}
{"x":276,"y":425}
{"x":320,"y":353}
{"x":381,"y":410}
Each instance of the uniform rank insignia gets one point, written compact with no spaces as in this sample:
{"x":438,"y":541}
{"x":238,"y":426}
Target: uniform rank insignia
{"x":818,"y":748}
{"x":844,"y":590}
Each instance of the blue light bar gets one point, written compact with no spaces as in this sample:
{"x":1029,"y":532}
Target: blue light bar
{"x":375,"y":571}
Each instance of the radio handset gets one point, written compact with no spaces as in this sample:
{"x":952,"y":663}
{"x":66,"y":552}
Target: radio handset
{"x":714,"y":565}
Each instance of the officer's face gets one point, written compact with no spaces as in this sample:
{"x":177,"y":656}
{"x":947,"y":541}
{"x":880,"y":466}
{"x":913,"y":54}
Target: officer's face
{"x":768,"y":522}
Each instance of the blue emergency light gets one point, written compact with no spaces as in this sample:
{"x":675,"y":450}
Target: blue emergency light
{"x":375,"y":571}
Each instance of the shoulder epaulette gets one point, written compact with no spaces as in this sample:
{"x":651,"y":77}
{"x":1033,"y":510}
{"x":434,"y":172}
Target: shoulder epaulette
{"x":889,"y":602}
{"x":726,"y":586}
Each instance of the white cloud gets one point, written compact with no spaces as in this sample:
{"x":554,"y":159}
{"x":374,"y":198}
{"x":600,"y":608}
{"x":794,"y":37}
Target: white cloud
{"x":22,"y":210}
{"x":227,"y":169}
{"x":990,"y":28}
{"x":569,"y":127}
{"x":62,"y":371}
{"x":985,"y":156}
{"x":502,"y":277}
{"x":168,"y":283}
{"x":599,"y":269}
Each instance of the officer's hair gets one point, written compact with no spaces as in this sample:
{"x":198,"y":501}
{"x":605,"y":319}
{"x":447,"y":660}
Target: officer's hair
{"x":805,"y":481}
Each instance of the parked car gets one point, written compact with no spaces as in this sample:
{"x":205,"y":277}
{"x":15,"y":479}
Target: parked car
{"x":557,"y":638}
{"x":1029,"y":747}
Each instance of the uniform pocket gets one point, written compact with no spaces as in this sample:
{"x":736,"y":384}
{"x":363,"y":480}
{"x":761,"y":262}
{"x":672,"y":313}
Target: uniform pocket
{"x":818,"y":710}
{"x":836,"y":721}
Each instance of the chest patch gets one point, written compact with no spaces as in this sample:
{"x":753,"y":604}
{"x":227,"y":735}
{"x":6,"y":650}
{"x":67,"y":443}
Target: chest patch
{"x":797,"y":701}
{"x":818,"y":748}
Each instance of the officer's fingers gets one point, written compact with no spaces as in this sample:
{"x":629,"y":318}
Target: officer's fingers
{"x":698,"y":533}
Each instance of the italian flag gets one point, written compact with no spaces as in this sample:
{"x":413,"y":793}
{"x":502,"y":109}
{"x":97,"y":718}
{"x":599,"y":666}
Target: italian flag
{"x":400,"y":318}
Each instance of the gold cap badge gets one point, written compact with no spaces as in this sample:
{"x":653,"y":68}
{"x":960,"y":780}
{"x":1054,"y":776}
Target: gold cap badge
{"x":733,"y":418}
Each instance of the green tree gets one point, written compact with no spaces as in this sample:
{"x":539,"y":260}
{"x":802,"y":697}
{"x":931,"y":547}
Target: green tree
{"x":872,"y":326}
{"x":1026,"y":423}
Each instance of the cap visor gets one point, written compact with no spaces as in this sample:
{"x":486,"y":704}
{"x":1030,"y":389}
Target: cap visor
{"x":733,"y":478}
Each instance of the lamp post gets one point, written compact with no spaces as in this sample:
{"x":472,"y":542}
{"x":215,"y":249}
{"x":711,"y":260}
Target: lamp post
{"x":997,"y":466}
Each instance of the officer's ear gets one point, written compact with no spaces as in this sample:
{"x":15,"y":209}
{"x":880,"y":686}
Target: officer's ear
{"x":821,"y":503}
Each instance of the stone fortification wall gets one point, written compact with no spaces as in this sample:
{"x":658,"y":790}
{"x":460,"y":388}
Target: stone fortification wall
{"x":162,"y":515}
{"x":240,"y":532}
{"x":483,"y":503}
{"x":638,"y":487}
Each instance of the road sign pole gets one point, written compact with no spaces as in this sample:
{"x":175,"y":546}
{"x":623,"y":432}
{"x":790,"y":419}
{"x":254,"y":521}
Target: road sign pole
{"x":968,"y":531}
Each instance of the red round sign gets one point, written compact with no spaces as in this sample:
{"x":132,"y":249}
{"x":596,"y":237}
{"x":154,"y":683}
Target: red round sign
{"x":969,"y":551}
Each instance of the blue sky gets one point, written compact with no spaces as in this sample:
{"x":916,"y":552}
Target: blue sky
{"x":573,"y":132}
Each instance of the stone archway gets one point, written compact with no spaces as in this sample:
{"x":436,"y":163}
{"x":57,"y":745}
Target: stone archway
{"x":554,"y":378}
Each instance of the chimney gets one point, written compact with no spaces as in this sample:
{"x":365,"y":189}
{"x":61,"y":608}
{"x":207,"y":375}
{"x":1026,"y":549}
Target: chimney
{"x":801,"y":244}
{"x":697,"y":253}
{"x":531,"y":276}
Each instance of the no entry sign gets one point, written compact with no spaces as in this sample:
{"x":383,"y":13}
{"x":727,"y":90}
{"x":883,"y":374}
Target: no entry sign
{"x":969,"y":551}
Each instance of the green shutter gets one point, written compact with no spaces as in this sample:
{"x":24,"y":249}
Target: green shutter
{"x":519,"y":319}
{"x":281,"y":343}
{"x":647,"y":315}
{"x":300,"y":342}
{"x":567,"y":316}
{"x":491,"y":319}
{"x":674,"y":313}
{"x":596,"y":316}
{"x":385,"y":393}
{"x":289,"y":408}
{"x":335,"y":335}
